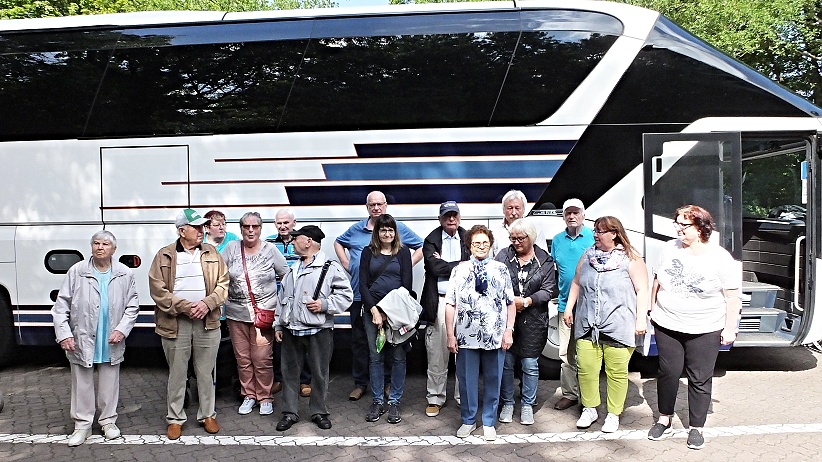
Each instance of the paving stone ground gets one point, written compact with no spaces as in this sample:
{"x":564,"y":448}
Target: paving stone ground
{"x":767,"y":406}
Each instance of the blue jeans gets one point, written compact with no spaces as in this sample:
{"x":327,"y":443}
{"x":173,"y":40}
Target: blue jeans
{"x":468,"y":372}
{"x":530,"y":380}
{"x":377,"y":364}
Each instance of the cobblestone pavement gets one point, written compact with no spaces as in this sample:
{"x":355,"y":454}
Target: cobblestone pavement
{"x":767,"y":406}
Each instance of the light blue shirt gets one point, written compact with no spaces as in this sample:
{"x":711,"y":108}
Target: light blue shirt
{"x":566,"y":252}
{"x":101,"y":347}
{"x":451,"y":252}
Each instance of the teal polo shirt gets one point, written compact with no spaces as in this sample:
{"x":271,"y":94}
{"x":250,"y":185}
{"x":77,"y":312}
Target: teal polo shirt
{"x":567,"y":251}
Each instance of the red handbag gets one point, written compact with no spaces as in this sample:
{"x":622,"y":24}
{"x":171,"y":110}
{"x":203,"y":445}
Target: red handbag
{"x":263,"y":319}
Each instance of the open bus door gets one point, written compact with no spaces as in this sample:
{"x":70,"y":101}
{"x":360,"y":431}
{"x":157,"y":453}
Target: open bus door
{"x":691,"y":168}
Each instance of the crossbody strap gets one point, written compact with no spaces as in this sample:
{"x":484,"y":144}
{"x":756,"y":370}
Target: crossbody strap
{"x":322,"y":279}
{"x":247,"y":281}
{"x":382,"y":268}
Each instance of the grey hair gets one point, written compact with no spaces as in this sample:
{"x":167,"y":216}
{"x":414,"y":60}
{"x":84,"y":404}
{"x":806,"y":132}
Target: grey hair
{"x":514,"y":194}
{"x":104,"y":235}
{"x":251,"y":214}
{"x":524,"y":225}
{"x":289,"y":212}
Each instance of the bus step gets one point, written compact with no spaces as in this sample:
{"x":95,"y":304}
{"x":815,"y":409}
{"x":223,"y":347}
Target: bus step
{"x":762,"y":339}
{"x":761,"y":320}
{"x":756,"y":294}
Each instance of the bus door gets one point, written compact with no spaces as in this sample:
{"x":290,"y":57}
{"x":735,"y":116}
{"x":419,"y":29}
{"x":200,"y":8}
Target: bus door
{"x":702,"y":169}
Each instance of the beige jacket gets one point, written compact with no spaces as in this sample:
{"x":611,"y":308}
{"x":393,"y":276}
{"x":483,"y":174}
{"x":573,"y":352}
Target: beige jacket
{"x":161,"y":277}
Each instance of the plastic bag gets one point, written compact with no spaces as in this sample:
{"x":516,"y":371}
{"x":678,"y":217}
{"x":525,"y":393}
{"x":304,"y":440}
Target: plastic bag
{"x":380,"y":339}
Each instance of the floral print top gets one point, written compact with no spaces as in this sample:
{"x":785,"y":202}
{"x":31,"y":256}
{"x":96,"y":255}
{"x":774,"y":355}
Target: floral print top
{"x":480,"y":319}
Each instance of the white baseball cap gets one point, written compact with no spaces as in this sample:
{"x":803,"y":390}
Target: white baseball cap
{"x":573,"y":203}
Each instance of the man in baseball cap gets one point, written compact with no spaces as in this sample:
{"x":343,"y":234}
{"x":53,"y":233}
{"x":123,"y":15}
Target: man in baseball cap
{"x":312,"y":231}
{"x":190,"y":217}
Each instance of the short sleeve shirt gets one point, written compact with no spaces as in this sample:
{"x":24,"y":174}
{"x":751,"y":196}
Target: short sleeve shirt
{"x":480,"y":320}
{"x":566,"y":252}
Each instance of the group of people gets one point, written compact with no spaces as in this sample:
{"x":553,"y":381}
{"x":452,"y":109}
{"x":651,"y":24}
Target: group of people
{"x":485,"y":299}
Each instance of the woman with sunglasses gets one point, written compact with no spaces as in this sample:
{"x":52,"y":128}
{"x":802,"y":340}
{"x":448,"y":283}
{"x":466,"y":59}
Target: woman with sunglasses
{"x":254,"y":266}
{"x":607,"y":305}
{"x":385,"y":265}
{"x":694,"y":308}
{"x":479,"y":319}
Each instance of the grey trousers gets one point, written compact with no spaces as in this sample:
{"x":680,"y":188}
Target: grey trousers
{"x":193,"y":340}
{"x":82,"y":394}
{"x":436,"y":349}
{"x":568,"y":379}
{"x":319,"y":347}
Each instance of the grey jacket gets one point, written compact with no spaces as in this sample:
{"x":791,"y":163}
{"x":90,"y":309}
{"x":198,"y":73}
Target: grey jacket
{"x":77,"y":310}
{"x":335,"y":293}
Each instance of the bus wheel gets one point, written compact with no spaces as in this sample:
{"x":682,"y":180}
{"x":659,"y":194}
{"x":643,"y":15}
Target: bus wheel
{"x":7,"y":338}
{"x":548,"y":368}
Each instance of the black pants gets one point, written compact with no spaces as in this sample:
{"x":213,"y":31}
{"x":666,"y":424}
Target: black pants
{"x":696,"y":353}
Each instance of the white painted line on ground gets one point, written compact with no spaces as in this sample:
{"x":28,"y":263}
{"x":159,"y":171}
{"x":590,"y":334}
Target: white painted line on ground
{"x":375,"y":441}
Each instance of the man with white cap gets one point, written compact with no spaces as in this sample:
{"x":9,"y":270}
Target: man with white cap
{"x":189,"y":284}
{"x":567,"y":248}
{"x":442,"y":250}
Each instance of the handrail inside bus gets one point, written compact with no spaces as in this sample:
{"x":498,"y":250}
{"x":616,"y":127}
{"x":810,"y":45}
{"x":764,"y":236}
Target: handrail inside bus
{"x":797,"y":256}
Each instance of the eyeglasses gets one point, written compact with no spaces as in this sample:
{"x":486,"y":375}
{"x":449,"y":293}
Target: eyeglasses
{"x":679,"y":225}
{"x":374,"y":205}
{"x":597,"y":231}
{"x":481,"y":245}
{"x":387,"y":231}
{"x":251,"y":226}
{"x":216,"y":224}
{"x":518,"y":239}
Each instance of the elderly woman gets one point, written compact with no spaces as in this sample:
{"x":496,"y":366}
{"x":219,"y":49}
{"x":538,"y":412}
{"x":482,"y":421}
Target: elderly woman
{"x":215,"y":230}
{"x":479,"y":319}
{"x":533,"y":277}
{"x":253,"y":268}
{"x":695,"y":308}
{"x":94,"y":312}
{"x":607,"y":305}
{"x":385,"y":265}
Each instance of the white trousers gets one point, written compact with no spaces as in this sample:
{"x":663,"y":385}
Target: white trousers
{"x":436,"y":348}
{"x":82,"y":394}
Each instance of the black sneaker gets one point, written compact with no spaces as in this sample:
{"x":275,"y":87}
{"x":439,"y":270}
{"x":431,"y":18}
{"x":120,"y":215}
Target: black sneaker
{"x":695,"y":439}
{"x":394,"y":416}
{"x":658,"y":431}
{"x":375,"y":412}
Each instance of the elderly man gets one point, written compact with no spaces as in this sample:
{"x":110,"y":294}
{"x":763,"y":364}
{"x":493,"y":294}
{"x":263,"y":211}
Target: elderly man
{"x":189,"y":283}
{"x":513,"y":208}
{"x":356,"y":238}
{"x":314,"y":290}
{"x":443,"y":250}
{"x":285,"y":220}
{"x":567,"y":248}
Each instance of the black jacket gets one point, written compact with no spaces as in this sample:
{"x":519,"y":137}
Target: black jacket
{"x":531,"y":326}
{"x":436,"y":268}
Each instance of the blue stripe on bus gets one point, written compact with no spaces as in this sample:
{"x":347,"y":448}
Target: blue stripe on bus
{"x":472,"y":148}
{"x":409,"y":194}
{"x":442,"y":170}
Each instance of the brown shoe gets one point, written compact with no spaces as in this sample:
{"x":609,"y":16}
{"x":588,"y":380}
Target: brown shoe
{"x":432,"y":410}
{"x":276,"y":388}
{"x":211,"y":425}
{"x":356,"y":393}
{"x":305,"y":390}
{"x":565,"y":403}
{"x":174,"y":431}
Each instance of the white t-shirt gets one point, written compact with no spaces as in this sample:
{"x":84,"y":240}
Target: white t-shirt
{"x":690,"y":298}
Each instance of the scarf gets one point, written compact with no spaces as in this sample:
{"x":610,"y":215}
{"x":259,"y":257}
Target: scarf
{"x":606,"y":261}
{"x":480,"y":274}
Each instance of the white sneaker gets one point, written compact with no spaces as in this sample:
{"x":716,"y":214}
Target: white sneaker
{"x":589,"y":416}
{"x":490,"y":433}
{"x":465,"y":430}
{"x":110,"y":431}
{"x":79,"y":437}
{"x":507,"y":413}
{"x":611,"y":423}
{"x":266,"y":408}
{"x":526,"y":415}
{"x":247,"y":406}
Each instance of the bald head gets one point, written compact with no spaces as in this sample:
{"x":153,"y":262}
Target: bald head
{"x":376,"y":204}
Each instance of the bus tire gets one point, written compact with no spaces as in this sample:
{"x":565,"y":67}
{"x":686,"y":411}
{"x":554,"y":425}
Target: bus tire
{"x":8,"y":343}
{"x":548,"y":368}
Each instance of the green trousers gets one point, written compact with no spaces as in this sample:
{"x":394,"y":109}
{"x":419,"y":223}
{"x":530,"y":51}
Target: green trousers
{"x":589,"y":363}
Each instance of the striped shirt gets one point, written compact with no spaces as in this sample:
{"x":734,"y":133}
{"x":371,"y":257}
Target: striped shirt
{"x":189,"y":283}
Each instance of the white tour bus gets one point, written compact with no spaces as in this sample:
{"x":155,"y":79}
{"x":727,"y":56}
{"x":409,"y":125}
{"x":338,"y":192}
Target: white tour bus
{"x":120,"y":121}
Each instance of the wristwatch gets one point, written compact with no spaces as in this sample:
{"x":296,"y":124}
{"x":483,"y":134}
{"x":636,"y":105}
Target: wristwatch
{"x":525,"y":302}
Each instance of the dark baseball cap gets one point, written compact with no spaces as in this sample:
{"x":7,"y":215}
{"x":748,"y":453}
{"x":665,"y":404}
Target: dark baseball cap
{"x":312,"y":231}
{"x":448,"y":206}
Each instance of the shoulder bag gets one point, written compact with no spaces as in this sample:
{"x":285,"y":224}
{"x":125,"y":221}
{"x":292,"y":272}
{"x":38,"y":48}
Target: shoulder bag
{"x":263,"y":319}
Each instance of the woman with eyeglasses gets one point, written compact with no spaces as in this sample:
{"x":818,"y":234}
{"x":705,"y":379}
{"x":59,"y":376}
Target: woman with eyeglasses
{"x":607,"y":303}
{"x":533,"y":278}
{"x":253,"y":268}
{"x":385,"y":265}
{"x":695,"y":308}
{"x":479,"y":319}
{"x":215,"y":230}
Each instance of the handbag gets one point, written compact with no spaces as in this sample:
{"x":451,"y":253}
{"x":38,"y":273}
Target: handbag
{"x":263,"y":319}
